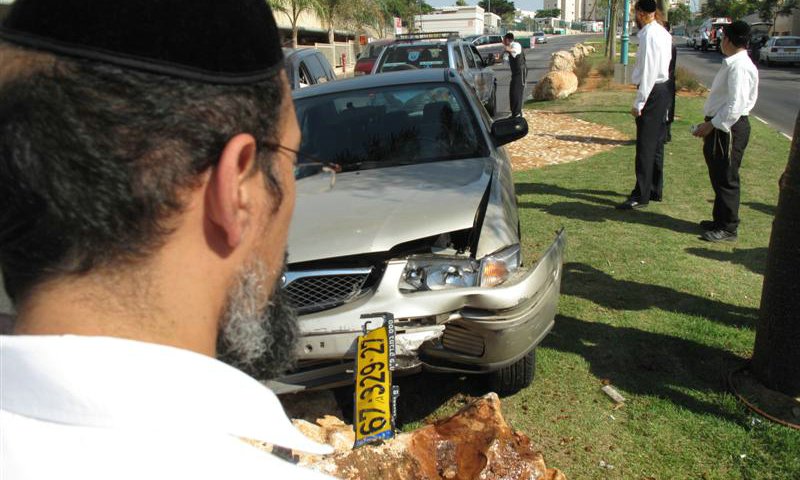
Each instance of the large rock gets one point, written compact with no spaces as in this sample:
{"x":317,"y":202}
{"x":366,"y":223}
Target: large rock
{"x":577,"y":52}
{"x":562,"y":61}
{"x":556,"y":84}
{"x":475,"y":443}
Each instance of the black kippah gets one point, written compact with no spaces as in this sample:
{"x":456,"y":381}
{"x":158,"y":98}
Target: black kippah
{"x":738,"y":28}
{"x":648,"y":6}
{"x":213,"y":41}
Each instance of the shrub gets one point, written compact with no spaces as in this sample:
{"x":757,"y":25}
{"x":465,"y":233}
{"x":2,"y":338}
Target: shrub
{"x":684,"y":80}
{"x":606,"y":69}
{"x":582,"y":70}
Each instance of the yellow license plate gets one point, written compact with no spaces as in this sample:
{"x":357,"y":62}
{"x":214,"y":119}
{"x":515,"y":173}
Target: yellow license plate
{"x":375,"y":397}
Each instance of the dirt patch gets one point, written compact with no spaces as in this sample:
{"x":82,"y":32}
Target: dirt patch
{"x":555,"y":138}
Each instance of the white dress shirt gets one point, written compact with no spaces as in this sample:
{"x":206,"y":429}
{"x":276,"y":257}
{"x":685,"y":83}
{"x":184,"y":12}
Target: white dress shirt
{"x":734,"y":91}
{"x":76,"y":407}
{"x":652,"y":61}
{"x":516,"y":49}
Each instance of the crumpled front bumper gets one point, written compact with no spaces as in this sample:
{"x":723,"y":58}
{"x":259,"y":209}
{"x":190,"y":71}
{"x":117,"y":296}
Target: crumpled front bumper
{"x":460,"y":330}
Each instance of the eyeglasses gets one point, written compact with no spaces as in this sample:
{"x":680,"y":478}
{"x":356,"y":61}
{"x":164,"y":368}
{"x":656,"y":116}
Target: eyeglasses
{"x":307,"y":165}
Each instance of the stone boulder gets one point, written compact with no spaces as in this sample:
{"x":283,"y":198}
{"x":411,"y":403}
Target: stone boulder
{"x":558,"y":84}
{"x":475,"y":443}
{"x":562,"y":61}
{"x":577,"y":52}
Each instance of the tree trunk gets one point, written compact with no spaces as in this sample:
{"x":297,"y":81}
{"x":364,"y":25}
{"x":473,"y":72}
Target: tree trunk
{"x":776,"y":355}
{"x":330,"y":32}
{"x":612,"y":36}
{"x":295,"y":31}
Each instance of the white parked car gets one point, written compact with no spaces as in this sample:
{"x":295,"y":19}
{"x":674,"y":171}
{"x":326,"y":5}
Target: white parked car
{"x":780,"y":50}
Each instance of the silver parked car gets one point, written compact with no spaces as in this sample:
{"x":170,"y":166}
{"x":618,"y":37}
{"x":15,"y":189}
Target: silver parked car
{"x":442,"y":50}
{"x":421,"y":222}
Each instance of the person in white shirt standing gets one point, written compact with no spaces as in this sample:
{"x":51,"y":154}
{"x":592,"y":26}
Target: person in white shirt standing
{"x":726,"y":130}
{"x":653,"y":99}
{"x":146,"y":188}
{"x":516,"y":62}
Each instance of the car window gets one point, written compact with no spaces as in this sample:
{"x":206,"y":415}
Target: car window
{"x":304,"y":77}
{"x":468,"y":55}
{"x":496,"y":39}
{"x":459,"y":58}
{"x":477,"y":56}
{"x":405,"y":57}
{"x":387,"y":126}
{"x":787,"y":42}
{"x":315,"y":69}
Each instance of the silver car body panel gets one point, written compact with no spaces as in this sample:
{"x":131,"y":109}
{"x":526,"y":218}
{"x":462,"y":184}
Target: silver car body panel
{"x":371,"y":211}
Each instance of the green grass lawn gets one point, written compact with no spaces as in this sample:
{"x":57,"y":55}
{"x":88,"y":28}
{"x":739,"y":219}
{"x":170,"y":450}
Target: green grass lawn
{"x":650,"y":308}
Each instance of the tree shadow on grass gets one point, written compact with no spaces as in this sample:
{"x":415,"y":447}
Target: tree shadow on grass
{"x":762,"y":207}
{"x":754,"y":259}
{"x":602,"y":210}
{"x":594,"y":140}
{"x":591,"y":284}
{"x":645,"y":363}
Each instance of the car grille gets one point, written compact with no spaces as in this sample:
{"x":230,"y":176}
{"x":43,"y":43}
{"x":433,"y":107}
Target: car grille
{"x":461,"y":340}
{"x":317,"y":290}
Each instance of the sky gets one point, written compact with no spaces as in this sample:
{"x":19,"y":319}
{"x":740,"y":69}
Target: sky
{"x":520,"y":4}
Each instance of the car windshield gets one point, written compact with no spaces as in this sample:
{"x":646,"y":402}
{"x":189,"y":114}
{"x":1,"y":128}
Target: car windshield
{"x":787,"y":42}
{"x":538,"y":34}
{"x":409,"y":57}
{"x":389,"y":126}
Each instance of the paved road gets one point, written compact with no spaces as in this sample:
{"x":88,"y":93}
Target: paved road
{"x":778,"y":87}
{"x":538,"y":60}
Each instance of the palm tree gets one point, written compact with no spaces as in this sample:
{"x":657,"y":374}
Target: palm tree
{"x":293,"y":9}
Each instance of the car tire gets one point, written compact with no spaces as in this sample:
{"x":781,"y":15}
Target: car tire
{"x":513,"y":378}
{"x":769,"y":62}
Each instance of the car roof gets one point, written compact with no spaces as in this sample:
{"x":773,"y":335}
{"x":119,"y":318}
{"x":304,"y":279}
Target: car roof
{"x":298,"y":52}
{"x":428,"y":75}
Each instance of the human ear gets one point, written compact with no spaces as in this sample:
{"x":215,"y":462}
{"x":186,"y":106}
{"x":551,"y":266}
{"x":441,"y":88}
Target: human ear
{"x":228,"y":196}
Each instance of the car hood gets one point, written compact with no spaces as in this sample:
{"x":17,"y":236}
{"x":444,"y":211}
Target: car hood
{"x":373,"y":210}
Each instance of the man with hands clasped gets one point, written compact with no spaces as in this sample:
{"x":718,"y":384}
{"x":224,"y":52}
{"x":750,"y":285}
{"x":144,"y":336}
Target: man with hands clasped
{"x":653,"y":98}
{"x":726,"y":130}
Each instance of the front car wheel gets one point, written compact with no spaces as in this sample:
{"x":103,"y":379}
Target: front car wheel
{"x":513,"y":378}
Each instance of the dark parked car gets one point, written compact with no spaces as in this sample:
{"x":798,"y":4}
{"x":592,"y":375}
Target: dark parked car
{"x":421,"y":222}
{"x":306,"y":67}
{"x":366,"y":59}
{"x":429,"y":50}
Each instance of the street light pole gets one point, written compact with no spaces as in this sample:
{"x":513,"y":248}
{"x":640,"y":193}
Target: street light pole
{"x":625,"y":32}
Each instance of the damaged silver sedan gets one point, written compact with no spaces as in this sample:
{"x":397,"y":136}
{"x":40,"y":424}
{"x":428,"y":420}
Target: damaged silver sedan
{"x":421,"y":221}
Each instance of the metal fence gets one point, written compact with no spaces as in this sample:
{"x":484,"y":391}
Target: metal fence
{"x":334,"y":53}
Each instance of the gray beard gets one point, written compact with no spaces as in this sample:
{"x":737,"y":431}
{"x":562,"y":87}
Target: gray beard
{"x":257,"y":336}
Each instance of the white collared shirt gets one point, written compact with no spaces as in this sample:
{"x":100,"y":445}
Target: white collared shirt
{"x":77,"y":407}
{"x":516,"y":49}
{"x":734,"y":91}
{"x":652,"y":61}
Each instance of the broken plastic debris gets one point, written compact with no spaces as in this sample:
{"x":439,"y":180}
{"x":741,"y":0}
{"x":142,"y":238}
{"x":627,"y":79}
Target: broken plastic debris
{"x":603,"y":464}
{"x":613,"y":393}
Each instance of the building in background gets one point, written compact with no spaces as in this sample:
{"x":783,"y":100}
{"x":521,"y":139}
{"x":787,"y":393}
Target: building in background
{"x":468,"y":20}
{"x":491,"y":23}
{"x":570,"y":9}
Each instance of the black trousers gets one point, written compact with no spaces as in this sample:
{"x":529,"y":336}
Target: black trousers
{"x":651,"y":132}
{"x":724,"y":152}
{"x":515,"y":94}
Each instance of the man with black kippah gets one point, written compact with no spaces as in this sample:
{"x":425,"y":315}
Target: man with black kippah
{"x":726,"y":130}
{"x":653,"y":98}
{"x":147,"y":153}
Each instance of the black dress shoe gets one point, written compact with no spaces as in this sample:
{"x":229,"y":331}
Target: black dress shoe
{"x":708,"y":225}
{"x":630,"y":204}
{"x":719,"y":236}
{"x":655,"y":198}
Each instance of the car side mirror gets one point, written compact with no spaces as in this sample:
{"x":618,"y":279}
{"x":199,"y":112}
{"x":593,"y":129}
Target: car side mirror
{"x":488,"y":61}
{"x":508,"y":130}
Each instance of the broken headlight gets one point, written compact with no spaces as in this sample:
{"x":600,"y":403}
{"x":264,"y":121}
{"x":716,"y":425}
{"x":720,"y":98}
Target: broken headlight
{"x":425,"y":273}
